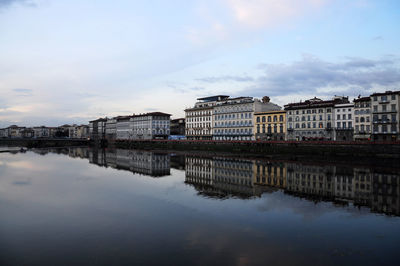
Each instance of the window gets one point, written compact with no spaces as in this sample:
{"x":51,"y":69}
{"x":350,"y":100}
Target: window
{"x":384,"y":98}
{"x":393,"y":97}
{"x":275,"y":118}
{"x":263,"y":128}
{"x":258,"y":119}
{"x":375,"y":98}
{"x":375,"y":108}
{"x":344,"y":117}
{"x":263,"y":118}
{"x":338,"y":124}
{"x":350,"y":124}
{"x":338,"y":117}
{"x":281,"y":118}
{"x":349,"y":116}
{"x":393,"y":107}
{"x":329,"y":117}
{"x":383,"y":107}
{"x":344,"y":125}
{"x":269,"y":118}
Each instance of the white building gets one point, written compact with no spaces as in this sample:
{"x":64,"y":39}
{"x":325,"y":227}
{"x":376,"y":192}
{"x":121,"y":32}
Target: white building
{"x":41,"y":132}
{"x":344,"y":121}
{"x":233,"y":117}
{"x":155,"y":125}
{"x":199,"y":119}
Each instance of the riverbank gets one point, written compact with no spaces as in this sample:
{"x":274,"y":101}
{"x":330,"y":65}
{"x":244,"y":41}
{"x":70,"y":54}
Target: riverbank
{"x":264,"y":148}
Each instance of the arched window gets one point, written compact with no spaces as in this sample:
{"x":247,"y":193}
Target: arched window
{"x":269,"y":119}
{"x":281,"y":118}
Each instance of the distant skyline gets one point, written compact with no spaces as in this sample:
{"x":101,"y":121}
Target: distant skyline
{"x":73,"y":61}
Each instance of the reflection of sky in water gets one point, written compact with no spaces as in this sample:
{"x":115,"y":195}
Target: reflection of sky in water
{"x":61,"y":210}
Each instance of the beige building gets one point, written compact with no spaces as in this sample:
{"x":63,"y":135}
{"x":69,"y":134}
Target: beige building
{"x":270,"y":125}
{"x":312,"y":119}
{"x":362,"y":118}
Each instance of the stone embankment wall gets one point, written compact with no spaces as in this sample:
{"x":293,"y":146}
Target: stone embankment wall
{"x":311,"y":148}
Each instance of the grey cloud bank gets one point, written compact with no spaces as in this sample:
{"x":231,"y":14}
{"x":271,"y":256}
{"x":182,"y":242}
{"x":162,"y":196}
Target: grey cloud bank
{"x":311,"y":75}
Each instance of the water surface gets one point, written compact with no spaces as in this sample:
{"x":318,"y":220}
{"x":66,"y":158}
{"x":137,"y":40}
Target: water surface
{"x":79,"y":206}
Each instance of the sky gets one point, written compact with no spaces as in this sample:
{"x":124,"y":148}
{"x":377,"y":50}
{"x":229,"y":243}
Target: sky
{"x":71,"y":61}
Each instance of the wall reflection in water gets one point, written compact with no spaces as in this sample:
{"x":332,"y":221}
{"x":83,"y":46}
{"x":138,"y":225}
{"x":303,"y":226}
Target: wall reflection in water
{"x":225,"y":177}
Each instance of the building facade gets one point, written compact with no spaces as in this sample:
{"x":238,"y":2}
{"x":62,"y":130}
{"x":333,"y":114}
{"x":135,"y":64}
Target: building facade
{"x":178,"y":127}
{"x":270,"y":125}
{"x":155,"y":125}
{"x":385,"y":116}
{"x":233,"y":117}
{"x":199,"y":119}
{"x":344,"y":121}
{"x":97,"y":128}
{"x":312,"y":119}
{"x":362,"y":118}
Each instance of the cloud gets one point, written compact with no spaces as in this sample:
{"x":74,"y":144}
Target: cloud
{"x":269,"y":13}
{"x":377,"y":38}
{"x":7,"y":3}
{"x":23,"y":92}
{"x":312,"y":75}
{"x":226,"y":78}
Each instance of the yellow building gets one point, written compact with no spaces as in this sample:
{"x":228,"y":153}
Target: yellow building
{"x":270,"y":125}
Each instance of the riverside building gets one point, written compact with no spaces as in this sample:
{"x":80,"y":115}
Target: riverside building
{"x":344,"y":121}
{"x":385,"y":115}
{"x":312,"y":119}
{"x":362,"y":118}
{"x":199,"y":119}
{"x":270,"y":125}
{"x":233,"y":117}
{"x":155,"y":125}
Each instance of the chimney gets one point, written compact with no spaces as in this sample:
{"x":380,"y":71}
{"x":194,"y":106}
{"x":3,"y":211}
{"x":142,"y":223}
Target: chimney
{"x":265,"y":99}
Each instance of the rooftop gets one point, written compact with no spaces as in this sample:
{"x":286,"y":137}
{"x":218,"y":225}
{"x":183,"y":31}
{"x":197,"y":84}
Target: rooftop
{"x":213,"y":98}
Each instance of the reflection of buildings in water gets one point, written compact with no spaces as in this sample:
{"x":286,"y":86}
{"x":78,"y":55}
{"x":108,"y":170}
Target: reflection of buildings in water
{"x":269,"y":173}
{"x":310,"y":180}
{"x":79,"y":152}
{"x":199,"y":171}
{"x":386,"y":190}
{"x":141,"y":162}
{"x":344,"y":185}
{"x":235,"y":176}
{"x":221,"y":177}
{"x":362,"y":186}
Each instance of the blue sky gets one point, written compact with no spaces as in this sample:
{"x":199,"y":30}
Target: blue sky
{"x":72,"y":61}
